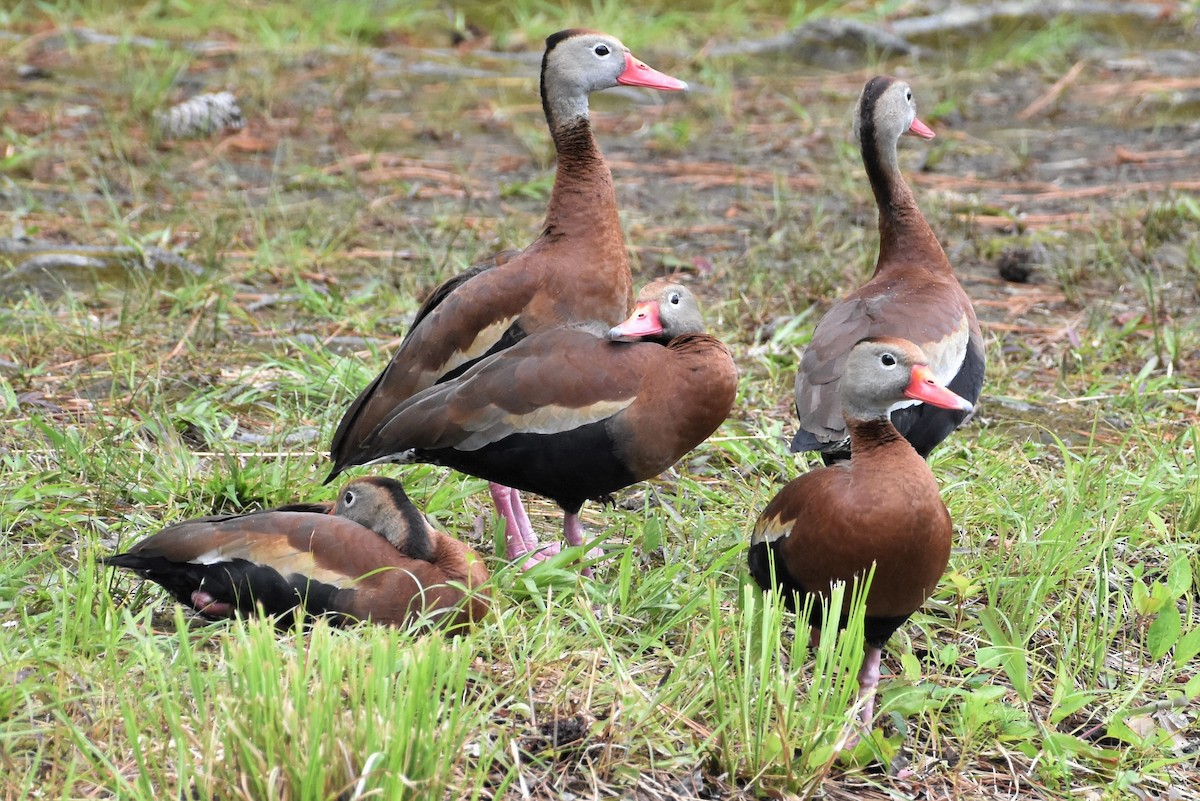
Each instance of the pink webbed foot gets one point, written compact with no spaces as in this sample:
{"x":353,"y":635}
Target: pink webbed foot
{"x":205,"y":604}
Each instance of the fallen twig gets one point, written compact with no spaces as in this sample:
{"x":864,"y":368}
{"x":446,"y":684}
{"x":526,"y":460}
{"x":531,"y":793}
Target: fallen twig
{"x":31,"y":255}
{"x":1026,"y":222}
{"x":175,"y":351}
{"x":1111,"y":395}
{"x":1109,"y":190}
{"x":1138,"y":89}
{"x":1051,"y":94}
{"x":715,"y":173}
{"x":1148,"y":709}
{"x":894,"y":36}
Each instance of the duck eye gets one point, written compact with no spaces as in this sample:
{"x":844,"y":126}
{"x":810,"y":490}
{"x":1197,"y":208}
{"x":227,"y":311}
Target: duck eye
{"x":348,"y":498}
{"x":601,"y":50}
{"x":908,"y":95}
{"x":888,"y":360}
{"x":674,"y":298}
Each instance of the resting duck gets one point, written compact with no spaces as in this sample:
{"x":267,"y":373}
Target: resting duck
{"x":373,"y":556}
{"x":578,"y":412}
{"x":913,"y":295}
{"x":881,"y":508}
{"x":576,"y":271}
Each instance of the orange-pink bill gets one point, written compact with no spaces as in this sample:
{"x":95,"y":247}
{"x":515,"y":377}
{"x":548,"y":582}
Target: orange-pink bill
{"x":644,"y":322}
{"x":638,"y":73}
{"x":920,"y":129}
{"x":924,"y":387}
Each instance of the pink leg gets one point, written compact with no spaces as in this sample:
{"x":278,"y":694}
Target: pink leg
{"x":536,"y":550}
{"x":868,"y":680}
{"x":513,"y":545}
{"x":573,"y":532}
{"x":525,"y":526}
{"x":519,"y":539}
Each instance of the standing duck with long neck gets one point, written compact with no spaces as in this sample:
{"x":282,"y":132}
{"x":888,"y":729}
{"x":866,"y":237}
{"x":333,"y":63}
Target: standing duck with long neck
{"x":577,"y":270}
{"x":880,"y":509}
{"x":913,"y":294}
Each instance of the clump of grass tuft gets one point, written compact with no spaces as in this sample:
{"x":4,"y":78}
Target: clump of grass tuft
{"x":326,"y":713}
{"x":777,"y":719}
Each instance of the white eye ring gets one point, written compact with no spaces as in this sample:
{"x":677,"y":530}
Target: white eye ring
{"x":601,"y":50}
{"x":348,"y":498}
{"x":674,"y":298}
{"x":887,"y":360}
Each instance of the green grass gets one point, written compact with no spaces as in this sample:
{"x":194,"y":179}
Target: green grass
{"x":1056,"y":660}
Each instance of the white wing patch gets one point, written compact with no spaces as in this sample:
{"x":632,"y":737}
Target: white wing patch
{"x":551,"y":419}
{"x":400,"y":457}
{"x":213,"y":557}
{"x":287,"y":563}
{"x":769,"y":530}
{"x":482,"y":343}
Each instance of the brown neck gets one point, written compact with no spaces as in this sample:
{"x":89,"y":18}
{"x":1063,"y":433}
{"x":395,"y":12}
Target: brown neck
{"x":904,"y":235}
{"x":583,"y":200}
{"x":450,"y":556}
{"x":871,"y":435}
{"x":692,"y":341}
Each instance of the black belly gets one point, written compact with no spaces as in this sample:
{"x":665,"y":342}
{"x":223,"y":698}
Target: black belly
{"x":569,"y":467}
{"x":876,"y":630}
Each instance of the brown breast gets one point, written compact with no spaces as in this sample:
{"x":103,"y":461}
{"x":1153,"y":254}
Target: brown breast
{"x":882,"y":508}
{"x":684,"y":397}
{"x":408,"y":588}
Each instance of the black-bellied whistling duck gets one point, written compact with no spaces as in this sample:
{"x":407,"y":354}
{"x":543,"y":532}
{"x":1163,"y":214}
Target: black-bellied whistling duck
{"x":570,"y":413}
{"x":913,"y":294}
{"x":576,"y":271}
{"x":373,"y":556}
{"x":880,"y":508}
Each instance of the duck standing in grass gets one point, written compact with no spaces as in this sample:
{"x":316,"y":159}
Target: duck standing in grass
{"x":578,"y":412}
{"x":576,"y":271}
{"x":372,"y":556}
{"x":880,"y":508}
{"x":912,"y":295}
